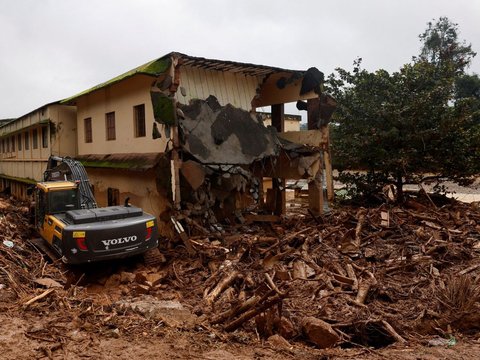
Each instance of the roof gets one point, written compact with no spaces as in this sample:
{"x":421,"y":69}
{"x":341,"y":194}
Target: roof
{"x":5,"y":123}
{"x":158,"y":66}
{"x":130,"y":161}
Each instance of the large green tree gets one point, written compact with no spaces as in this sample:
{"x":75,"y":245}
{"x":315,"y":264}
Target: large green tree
{"x":399,"y":126}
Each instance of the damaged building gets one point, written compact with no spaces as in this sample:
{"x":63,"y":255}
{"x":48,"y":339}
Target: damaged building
{"x":188,"y":133}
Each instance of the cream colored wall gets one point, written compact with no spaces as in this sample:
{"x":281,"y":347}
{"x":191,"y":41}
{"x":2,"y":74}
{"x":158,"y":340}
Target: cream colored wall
{"x":139,"y":186}
{"x":31,"y":163}
{"x":120,"y":98}
{"x":236,"y":89}
{"x":64,"y":140}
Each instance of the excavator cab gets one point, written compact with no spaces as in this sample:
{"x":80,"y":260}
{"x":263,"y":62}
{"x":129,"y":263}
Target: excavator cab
{"x":53,"y":198}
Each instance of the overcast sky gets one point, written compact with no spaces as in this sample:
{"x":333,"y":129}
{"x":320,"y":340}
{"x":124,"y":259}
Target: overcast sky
{"x":52,"y":49}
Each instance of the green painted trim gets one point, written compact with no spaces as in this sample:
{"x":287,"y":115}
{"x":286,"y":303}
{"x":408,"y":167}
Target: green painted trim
{"x":153,"y":68}
{"x":22,"y":180}
{"x":110,"y":164}
{"x":44,"y":121}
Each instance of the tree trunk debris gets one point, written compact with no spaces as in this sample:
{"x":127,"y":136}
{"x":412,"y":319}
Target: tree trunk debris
{"x":293,"y":278}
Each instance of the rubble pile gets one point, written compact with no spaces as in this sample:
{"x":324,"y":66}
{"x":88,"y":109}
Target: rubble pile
{"x":18,"y":261}
{"x":355,"y":277}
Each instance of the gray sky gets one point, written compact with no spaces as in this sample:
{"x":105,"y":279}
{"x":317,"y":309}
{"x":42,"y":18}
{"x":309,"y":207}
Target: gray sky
{"x":52,"y":49}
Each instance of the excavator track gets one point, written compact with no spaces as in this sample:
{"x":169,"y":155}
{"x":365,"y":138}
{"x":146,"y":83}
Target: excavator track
{"x":45,"y":249}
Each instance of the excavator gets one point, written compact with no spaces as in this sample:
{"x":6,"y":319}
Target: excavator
{"x":70,"y":223}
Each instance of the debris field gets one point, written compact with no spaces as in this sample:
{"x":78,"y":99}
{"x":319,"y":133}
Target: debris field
{"x":356,"y":279}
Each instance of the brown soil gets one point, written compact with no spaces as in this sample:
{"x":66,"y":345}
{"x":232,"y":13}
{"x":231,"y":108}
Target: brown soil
{"x":422,"y":272}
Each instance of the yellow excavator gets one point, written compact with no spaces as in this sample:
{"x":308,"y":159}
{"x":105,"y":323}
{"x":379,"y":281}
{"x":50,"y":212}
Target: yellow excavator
{"x":70,"y":223}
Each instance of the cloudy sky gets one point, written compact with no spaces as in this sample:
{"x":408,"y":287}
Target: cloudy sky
{"x":52,"y":49}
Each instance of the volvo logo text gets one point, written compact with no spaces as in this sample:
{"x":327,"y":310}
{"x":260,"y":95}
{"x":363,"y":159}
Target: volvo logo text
{"x":118,"y":241}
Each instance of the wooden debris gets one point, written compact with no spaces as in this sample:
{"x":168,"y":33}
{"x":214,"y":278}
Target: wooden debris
{"x":38,"y":297}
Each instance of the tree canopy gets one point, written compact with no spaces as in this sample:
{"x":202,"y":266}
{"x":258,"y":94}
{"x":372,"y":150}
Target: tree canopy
{"x":420,"y":119}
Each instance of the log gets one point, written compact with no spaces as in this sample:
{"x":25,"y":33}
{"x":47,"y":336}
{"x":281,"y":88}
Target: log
{"x":391,"y":331}
{"x":234,"y":311}
{"x":358,"y":230}
{"x":221,"y":286}
{"x":272,"y":284}
{"x":353,"y":276}
{"x":235,"y":324}
{"x":364,"y":288}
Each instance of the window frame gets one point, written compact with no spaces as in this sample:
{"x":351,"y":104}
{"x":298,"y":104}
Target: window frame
{"x":26,"y":139}
{"x":19,"y":141}
{"x":110,"y":130}
{"x":139,"y":123}
{"x":35,"y":139}
{"x":44,"y":133}
{"x":87,"y":129}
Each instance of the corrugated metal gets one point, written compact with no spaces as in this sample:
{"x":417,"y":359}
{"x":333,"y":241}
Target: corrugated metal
{"x":230,"y":66}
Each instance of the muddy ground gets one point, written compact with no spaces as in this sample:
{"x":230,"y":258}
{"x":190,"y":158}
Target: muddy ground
{"x":407,"y":288}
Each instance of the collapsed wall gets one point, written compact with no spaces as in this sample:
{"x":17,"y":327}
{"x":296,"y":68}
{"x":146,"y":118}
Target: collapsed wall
{"x":223,"y":148}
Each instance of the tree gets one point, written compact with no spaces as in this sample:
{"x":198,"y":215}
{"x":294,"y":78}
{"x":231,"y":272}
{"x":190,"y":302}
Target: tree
{"x":399,"y":126}
{"x":441,"y":46}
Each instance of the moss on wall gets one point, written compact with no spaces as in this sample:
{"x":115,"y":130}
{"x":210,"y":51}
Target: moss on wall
{"x":163,"y":108}
{"x":22,"y":180}
{"x":105,"y":164}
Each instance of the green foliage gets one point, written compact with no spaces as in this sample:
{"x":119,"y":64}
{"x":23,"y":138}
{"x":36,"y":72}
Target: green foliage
{"x":396,"y":127}
{"x":441,"y":46}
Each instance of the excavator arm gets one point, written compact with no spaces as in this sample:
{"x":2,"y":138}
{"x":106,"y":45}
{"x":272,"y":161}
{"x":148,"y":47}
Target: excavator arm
{"x":68,"y":169}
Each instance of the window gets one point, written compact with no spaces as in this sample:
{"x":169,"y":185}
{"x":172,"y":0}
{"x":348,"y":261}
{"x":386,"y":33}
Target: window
{"x":27,"y":141}
{"x":87,"y":128}
{"x":139,"y":118}
{"x":34,"y":139}
{"x":44,"y":137}
{"x":110,"y":123}
{"x":113,"y":196}
{"x":19,"y":141}
{"x":3,"y":146}
{"x":12,"y":140}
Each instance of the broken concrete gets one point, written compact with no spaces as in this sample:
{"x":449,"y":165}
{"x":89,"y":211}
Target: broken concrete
{"x":319,"y":332}
{"x":217,"y":134}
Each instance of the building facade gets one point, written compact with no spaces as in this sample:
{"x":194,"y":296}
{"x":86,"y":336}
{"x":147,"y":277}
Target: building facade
{"x":128,"y":131}
{"x":27,"y":142}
